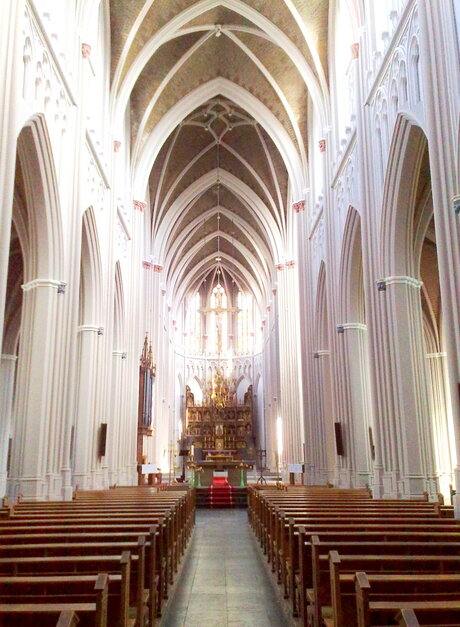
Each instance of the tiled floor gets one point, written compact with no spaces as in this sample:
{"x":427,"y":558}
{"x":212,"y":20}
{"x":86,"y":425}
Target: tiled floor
{"x":224,"y":583}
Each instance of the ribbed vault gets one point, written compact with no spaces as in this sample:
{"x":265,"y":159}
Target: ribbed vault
{"x":220,"y":95}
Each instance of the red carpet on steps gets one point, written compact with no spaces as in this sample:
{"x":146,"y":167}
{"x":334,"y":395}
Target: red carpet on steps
{"x":220,"y":493}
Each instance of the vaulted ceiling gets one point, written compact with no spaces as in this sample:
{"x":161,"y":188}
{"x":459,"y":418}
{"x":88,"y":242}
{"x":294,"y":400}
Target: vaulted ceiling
{"x":219,"y":96}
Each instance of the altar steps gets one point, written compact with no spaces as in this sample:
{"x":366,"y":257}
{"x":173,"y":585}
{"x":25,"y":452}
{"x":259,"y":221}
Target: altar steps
{"x":213,"y":497}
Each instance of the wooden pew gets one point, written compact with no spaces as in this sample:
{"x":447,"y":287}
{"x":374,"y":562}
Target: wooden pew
{"x":343,"y":567}
{"x":285,"y":560}
{"x":431,"y":616}
{"x":291,"y":562}
{"x":380,"y":597}
{"x":67,"y":618}
{"x":92,"y":609}
{"x":46,"y":520}
{"x":305,"y":583}
{"x":166,"y":560}
{"x":144,"y":586}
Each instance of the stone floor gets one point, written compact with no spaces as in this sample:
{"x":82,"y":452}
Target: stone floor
{"x":223,"y":583}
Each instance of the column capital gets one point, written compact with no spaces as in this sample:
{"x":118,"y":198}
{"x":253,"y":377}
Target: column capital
{"x":435,"y":355}
{"x":90,"y":327}
{"x":352,"y":325}
{"x":401,"y":280}
{"x":9,"y":357}
{"x":31,"y":285}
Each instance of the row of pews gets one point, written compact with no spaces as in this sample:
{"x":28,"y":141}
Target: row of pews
{"x":344,"y":559}
{"x":105,"y":559}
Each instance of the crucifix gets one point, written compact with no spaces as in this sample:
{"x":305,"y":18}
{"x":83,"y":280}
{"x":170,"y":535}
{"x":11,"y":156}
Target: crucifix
{"x":219,"y":310}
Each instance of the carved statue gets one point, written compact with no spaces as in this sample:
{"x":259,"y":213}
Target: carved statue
{"x":248,"y":396}
{"x":189,"y":397}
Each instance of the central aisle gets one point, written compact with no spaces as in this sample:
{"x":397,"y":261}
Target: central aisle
{"x":224,"y":583}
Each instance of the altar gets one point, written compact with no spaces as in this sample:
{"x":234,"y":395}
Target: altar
{"x":230,"y":469}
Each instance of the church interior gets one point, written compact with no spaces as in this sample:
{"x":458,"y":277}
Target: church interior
{"x":230,"y":276}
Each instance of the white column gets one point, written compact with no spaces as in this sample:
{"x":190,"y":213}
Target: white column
{"x":35,"y":459}
{"x":86,"y":431}
{"x":11,"y":73}
{"x":385,"y":471}
{"x":7,"y":379}
{"x":114,"y":420}
{"x":440,"y":74}
{"x":441,"y":421}
{"x":409,"y":381}
{"x":290,"y":372}
{"x":324,"y":444}
{"x":357,"y":384}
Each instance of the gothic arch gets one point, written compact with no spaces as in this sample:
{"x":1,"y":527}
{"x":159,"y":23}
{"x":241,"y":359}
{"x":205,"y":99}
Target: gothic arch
{"x":199,"y":96}
{"x":352,"y":296}
{"x":41,"y":218}
{"x":407,"y":151}
{"x":409,"y":259}
{"x":119,"y":311}
{"x":91,"y":273}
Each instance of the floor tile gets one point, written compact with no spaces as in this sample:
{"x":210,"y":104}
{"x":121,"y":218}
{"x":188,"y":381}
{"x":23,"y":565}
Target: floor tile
{"x":224,"y":583}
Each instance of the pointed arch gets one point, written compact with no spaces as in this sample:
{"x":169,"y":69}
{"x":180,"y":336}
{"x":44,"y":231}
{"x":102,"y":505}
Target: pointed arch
{"x":407,"y":150}
{"x":219,"y":87}
{"x":322,"y":335}
{"x":41,"y":210}
{"x":351,"y":268}
{"x":119,"y":311}
{"x":91,"y":271}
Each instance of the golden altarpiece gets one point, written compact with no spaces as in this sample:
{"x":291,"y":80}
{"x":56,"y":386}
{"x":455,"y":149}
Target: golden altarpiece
{"x":219,"y":428}
{"x":219,"y":432}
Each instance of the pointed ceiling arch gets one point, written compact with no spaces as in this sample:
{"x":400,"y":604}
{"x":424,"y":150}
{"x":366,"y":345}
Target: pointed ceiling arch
{"x":225,"y":88}
{"x":220,"y":95}
{"x":248,"y":197}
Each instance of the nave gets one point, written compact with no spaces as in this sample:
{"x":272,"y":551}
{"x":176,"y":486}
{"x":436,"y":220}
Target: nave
{"x":224,"y":582}
{"x":135,"y":557}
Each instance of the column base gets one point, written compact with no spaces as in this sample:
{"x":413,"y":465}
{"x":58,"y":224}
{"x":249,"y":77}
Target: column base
{"x":361,"y":479}
{"x":342,"y":478}
{"x":30,"y":488}
{"x":54,"y":487}
{"x":3,"y":484}
{"x":81,"y":481}
{"x":66,"y":489}
{"x":413,"y":487}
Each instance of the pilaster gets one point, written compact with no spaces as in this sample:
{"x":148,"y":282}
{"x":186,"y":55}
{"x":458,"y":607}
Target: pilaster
{"x":7,"y":381}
